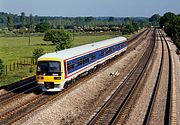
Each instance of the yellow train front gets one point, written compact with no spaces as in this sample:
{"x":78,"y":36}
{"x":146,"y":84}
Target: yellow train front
{"x":49,"y":74}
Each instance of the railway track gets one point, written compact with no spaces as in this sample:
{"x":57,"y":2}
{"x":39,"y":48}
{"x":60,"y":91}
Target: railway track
{"x":12,"y":115}
{"x":18,"y":96}
{"x":116,"y":109}
{"x":133,"y":45}
{"x":162,"y":85}
{"x":10,"y":92}
{"x":21,"y":110}
{"x":15,"y":114}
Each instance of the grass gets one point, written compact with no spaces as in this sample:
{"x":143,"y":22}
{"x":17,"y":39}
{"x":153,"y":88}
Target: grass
{"x":16,"y":48}
{"x":17,"y":75}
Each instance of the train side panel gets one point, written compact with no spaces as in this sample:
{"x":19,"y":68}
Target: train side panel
{"x":75,"y":66}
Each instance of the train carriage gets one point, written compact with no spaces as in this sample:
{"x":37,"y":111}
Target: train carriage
{"x":55,"y":70}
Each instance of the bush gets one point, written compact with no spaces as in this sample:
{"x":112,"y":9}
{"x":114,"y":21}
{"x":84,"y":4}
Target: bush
{"x":37,"y":53}
{"x":30,"y":69}
{"x":1,"y":67}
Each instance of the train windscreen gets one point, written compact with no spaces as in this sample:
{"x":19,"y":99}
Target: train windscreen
{"x":48,"y":68}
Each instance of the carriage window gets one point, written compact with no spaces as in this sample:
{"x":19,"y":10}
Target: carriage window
{"x":70,"y":65}
{"x":80,"y":61}
{"x":92,"y":56}
{"x":85,"y":60}
{"x":102,"y":53}
{"x":119,"y":46}
{"x":108,"y":51}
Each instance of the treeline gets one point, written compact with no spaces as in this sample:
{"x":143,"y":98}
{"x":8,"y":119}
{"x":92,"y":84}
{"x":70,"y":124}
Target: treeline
{"x":23,"y":23}
{"x":171,"y":24}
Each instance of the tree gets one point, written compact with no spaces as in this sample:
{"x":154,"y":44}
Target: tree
{"x":31,"y":22}
{"x":61,"y":38}
{"x":31,"y":27}
{"x":111,"y":19}
{"x":22,"y":19}
{"x":154,"y":18}
{"x":171,"y":24}
{"x":10,"y":23}
{"x":128,"y":29}
{"x":166,"y":18}
{"x":79,"y":21}
{"x":89,"y":19}
{"x":128,"y":20}
{"x":1,"y":67}
{"x":43,"y":27}
{"x":135,"y":27}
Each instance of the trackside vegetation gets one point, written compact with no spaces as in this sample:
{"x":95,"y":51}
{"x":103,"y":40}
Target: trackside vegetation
{"x":37,"y":53}
{"x":1,"y":67}
{"x":171,"y":25}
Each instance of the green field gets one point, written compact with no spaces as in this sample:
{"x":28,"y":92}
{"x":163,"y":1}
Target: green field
{"x":16,"y":48}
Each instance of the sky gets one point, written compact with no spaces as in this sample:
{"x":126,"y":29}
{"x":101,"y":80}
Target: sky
{"x":96,"y":8}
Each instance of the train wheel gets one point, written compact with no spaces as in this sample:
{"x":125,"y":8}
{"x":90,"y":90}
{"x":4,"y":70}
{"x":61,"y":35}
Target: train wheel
{"x":66,"y":85}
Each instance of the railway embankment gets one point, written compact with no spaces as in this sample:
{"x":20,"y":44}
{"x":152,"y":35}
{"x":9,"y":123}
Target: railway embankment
{"x":138,"y":112}
{"x":176,"y":84}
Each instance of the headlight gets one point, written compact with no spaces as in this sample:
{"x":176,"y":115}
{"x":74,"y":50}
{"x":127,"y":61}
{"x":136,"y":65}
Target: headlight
{"x":57,"y":78}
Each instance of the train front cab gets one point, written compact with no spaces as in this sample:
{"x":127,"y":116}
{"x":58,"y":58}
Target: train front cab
{"x":50,"y":74}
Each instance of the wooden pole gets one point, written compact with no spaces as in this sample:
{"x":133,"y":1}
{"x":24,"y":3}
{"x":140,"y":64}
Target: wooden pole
{"x":29,"y":43}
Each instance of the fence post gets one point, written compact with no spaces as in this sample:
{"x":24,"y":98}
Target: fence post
{"x":10,"y":66}
{"x":6,"y":69}
{"x":14,"y":66}
{"x":24,"y":62}
{"x":21,"y":64}
{"x":33,"y":61}
{"x":17,"y":64}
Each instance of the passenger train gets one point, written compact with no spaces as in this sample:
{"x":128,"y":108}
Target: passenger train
{"x":56,"y":70}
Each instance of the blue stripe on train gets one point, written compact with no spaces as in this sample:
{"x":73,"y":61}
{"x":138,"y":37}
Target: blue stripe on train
{"x":82,"y":61}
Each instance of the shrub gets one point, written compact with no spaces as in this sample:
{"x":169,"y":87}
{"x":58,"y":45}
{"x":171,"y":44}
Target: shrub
{"x":30,"y":69}
{"x":37,"y":53}
{"x":1,"y":67}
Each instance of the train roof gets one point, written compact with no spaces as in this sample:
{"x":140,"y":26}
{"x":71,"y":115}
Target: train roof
{"x":76,"y":51}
